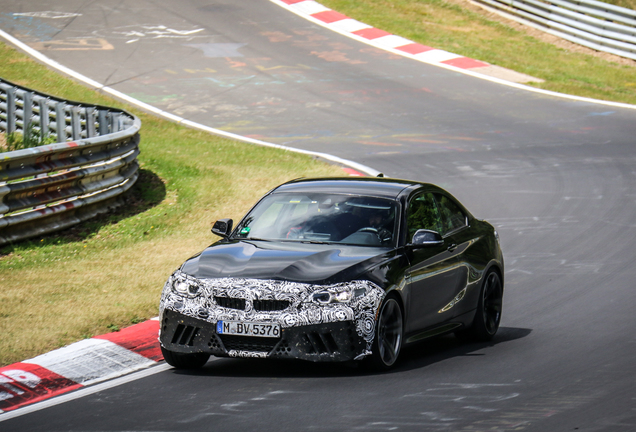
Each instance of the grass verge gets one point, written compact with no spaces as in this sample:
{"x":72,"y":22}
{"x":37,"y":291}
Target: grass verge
{"x":108,"y":273}
{"x":460,"y":27}
{"x":629,"y":4}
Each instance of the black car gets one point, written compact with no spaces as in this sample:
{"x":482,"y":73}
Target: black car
{"x":336,"y":269}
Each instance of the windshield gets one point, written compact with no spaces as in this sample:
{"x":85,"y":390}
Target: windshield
{"x":321,"y":218}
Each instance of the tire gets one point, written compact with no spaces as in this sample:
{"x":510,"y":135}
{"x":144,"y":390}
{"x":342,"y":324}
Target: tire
{"x":488,"y":315}
{"x":388,"y":335}
{"x":184,"y":360}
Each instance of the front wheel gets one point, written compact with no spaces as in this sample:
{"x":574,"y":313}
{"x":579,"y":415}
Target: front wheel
{"x":184,"y":360}
{"x":388,"y":335}
{"x":488,"y":315}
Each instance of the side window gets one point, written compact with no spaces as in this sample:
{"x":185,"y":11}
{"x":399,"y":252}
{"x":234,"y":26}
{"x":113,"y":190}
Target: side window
{"x":452,"y":216}
{"x":422,"y":214}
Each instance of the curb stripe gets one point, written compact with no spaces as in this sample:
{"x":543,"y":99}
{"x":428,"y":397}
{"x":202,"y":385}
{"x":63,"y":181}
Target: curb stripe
{"x":466,"y":63}
{"x":79,"y":365}
{"x":84,"y":391}
{"x":329,"y":16}
{"x":414,"y":48}
{"x":23,"y":384}
{"x":371,"y":33}
{"x":141,"y":339}
{"x":436,"y":56}
{"x":349,"y":25}
{"x":378,"y":37}
{"x":391,"y":41}
{"x":353,"y":172}
{"x":310,"y":7}
{"x":91,"y":360}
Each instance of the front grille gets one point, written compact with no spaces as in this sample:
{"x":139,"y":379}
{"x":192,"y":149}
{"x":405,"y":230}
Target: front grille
{"x":270,"y":305}
{"x":259,"y":305}
{"x":230,"y":302}
{"x":184,"y":335}
{"x":248,"y":343}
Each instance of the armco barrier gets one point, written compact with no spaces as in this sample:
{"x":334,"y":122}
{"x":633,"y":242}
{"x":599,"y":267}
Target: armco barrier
{"x":597,"y":25}
{"x":51,"y":187}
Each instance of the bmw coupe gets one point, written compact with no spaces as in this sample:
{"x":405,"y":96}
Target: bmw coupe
{"x":336,"y":269}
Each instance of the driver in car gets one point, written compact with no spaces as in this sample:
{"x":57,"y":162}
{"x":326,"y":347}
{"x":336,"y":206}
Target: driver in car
{"x":378,"y":219}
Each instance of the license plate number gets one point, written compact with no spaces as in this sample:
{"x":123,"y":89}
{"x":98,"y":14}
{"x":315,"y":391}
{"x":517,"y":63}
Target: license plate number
{"x":241,"y":328}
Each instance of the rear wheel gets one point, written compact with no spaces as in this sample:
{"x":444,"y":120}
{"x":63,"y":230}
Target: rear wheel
{"x":488,"y":315}
{"x":184,"y":360}
{"x":388,"y":335}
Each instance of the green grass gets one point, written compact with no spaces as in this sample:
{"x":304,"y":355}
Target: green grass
{"x":455,"y":27}
{"x":629,"y":4}
{"x":19,"y":141}
{"x":108,"y":273}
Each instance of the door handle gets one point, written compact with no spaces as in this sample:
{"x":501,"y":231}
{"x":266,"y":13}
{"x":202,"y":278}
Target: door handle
{"x":452,"y":247}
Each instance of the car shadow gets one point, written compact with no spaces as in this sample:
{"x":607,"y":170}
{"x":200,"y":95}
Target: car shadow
{"x":434,"y":350}
{"x":416,"y":356}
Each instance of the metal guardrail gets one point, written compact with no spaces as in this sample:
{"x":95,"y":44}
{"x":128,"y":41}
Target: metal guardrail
{"x":597,"y":25}
{"x":51,"y":187}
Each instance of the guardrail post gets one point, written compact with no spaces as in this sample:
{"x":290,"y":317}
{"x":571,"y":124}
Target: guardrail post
{"x":44,"y":119}
{"x":103,"y":122}
{"x":60,"y":120}
{"x":76,"y":125}
{"x":89,"y":113}
{"x":114,"y":122}
{"x":27,"y":115}
{"x":10,"y":109}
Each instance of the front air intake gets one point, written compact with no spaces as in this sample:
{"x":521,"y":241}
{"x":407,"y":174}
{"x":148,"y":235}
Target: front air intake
{"x":321,"y":343}
{"x":184,"y":335}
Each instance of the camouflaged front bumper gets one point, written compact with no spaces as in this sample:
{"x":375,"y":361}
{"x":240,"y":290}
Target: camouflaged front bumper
{"x":336,"y":341}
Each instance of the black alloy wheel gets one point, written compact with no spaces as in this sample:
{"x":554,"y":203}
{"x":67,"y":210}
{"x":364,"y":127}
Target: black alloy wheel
{"x":185,"y":360}
{"x":388,"y":335}
{"x":492,"y":304}
{"x":488,"y":315}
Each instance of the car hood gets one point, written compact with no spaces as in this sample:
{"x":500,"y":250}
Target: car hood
{"x":300,"y":262}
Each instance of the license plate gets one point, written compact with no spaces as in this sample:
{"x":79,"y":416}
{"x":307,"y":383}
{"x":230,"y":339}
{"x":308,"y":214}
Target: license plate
{"x":241,"y":328}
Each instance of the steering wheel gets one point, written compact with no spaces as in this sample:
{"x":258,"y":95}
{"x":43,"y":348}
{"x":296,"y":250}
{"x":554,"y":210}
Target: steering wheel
{"x":383,"y":234}
{"x":294,"y":232}
{"x":369,"y":229}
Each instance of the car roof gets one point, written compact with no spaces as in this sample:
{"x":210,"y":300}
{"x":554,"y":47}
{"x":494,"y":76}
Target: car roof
{"x":371,"y":186}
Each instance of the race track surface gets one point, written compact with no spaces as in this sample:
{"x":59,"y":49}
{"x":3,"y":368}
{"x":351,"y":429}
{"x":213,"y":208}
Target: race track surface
{"x":556,"y":176}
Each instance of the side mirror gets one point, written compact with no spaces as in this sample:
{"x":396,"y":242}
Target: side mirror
{"x":223,"y":227}
{"x":425,"y":238}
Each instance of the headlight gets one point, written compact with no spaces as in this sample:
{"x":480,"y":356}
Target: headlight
{"x":185,"y":287}
{"x":341,"y":294}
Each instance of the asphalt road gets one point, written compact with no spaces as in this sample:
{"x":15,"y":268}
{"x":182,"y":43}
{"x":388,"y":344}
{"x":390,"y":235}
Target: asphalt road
{"x":556,"y":176}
